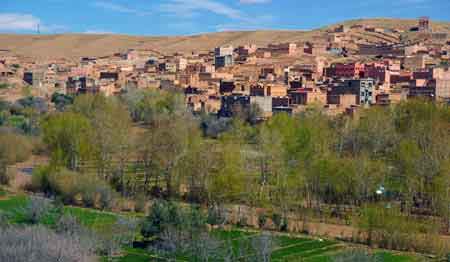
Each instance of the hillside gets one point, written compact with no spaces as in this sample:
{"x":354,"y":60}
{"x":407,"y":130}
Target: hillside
{"x":76,"y":45}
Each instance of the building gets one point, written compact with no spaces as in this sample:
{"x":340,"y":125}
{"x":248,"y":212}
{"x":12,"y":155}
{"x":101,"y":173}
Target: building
{"x":307,"y":96}
{"x":424,"y":24}
{"x":232,"y":104}
{"x":227,"y":86}
{"x":223,"y":56}
{"x":223,"y":61}
{"x":363,"y":89}
{"x":80,"y":85}
{"x":349,"y":70}
{"x":416,"y":62}
{"x":287,"y":49}
{"x":378,"y":72}
{"x":34,"y":78}
{"x":380,"y":50}
{"x":442,"y":78}
{"x":264,"y":103}
{"x":268,"y":89}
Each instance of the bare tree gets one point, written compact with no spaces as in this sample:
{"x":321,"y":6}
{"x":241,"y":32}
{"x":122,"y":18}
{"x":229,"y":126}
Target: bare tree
{"x":36,"y":209}
{"x":37,"y":243}
{"x":263,"y":246}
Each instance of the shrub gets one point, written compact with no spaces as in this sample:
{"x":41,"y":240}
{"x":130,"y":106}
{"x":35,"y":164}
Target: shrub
{"x":14,"y":148}
{"x":158,"y":219}
{"x":40,"y":180}
{"x":68,"y":224}
{"x":72,"y":187}
{"x":36,"y":209}
{"x":3,"y":219}
{"x":4,"y":85}
{"x":140,"y":203}
{"x":5,"y":177}
{"x":242,"y":222}
{"x":263,"y":246}
{"x":262,"y":220}
{"x":37,"y":243}
{"x":216,"y":216}
{"x":164,"y":215}
{"x":284,"y":224}
{"x":276,"y":219}
{"x":356,"y":255}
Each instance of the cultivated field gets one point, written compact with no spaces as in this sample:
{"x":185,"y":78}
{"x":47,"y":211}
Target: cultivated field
{"x":286,"y":247}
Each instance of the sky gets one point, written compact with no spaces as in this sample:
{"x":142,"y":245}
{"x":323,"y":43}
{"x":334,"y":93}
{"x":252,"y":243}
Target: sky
{"x":187,"y":17}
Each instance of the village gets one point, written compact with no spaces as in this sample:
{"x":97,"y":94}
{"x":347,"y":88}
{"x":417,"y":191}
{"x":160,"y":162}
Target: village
{"x":328,"y":145}
{"x":340,"y":71}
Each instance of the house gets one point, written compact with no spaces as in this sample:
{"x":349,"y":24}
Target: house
{"x":232,"y":104}
{"x":223,"y":56}
{"x":307,"y":96}
{"x":442,"y":78}
{"x":363,"y":89}
{"x":348,"y":70}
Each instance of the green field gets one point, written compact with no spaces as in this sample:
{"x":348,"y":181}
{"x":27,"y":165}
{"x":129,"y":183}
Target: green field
{"x":91,"y":218}
{"x":287,"y":248}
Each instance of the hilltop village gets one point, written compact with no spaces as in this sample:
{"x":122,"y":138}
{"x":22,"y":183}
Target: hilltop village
{"x":329,"y":145}
{"x":343,"y":69}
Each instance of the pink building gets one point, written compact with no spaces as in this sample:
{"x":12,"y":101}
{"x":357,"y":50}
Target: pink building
{"x":340,"y":70}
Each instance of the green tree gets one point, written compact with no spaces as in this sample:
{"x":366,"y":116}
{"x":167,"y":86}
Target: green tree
{"x":68,"y":137}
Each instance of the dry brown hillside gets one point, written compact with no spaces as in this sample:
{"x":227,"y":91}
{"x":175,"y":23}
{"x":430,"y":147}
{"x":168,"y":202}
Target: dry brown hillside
{"x":76,"y":45}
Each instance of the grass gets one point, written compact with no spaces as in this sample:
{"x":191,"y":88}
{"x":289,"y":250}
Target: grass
{"x":390,"y":257}
{"x":88,"y":217}
{"x":232,"y":234}
{"x":12,"y":206}
{"x":92,"y":218}
{"x":299,"y":249}
{"x":288,"y":248}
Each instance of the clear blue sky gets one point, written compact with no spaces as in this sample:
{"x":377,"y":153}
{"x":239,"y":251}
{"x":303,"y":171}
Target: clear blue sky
{"x":176,"y":17}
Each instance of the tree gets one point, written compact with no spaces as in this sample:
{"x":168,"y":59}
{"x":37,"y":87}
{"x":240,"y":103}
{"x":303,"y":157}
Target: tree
{"x":38,"y":243}
{"x":111,"y":132}
{"x":36,"y":209}
{"x":14,"y":148}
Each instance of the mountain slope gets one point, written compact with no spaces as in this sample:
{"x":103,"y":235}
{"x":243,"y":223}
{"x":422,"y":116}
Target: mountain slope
{"x":76,"y":45}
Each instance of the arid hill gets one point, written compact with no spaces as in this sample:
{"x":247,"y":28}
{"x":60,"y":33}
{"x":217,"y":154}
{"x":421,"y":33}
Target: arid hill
{"x":76,"y":45}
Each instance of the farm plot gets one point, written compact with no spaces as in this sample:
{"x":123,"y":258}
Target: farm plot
{"x":286,"y":248}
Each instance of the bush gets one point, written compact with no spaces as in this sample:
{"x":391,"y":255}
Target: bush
{"x":276,"y":219}
{"x":68,"y":224}
{"x":284,"y":224}
{"x":5,"y":177}
{"x":37,"y":243}
{"x":162,"y":214}
{"x":262,"y":220}
{"x":72,"y":187}
{"x":166,"y":215}
{"x":14,"y":148}
{"x":216,"y":216}
{"x":263,"y":246}
{"x":356,"y":255}
{"x":242,"y":221}
{"x":3,"y":219}
{"x":40,"y":180}
{"x":140,"y":203}
{"x":36,"y":209}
